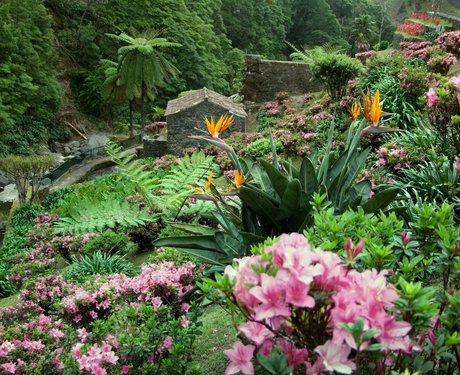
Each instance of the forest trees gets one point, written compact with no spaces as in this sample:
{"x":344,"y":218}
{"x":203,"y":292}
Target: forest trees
{"x":29,"y":92}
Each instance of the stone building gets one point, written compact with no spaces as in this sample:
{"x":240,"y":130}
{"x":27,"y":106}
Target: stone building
{"x":189,"y":112}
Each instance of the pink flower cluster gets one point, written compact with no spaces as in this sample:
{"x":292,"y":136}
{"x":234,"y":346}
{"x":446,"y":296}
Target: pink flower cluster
{"x":415,"y":50}
{"x":155,"y":126}
{"x":97,"y":358}
{"x":392,"y":155}
{"x":52,"y":316}
{"x":38,"y":339}
{"x":432,"y":98}
{"x":450,"y":42}
{"x":364,"y":56}
{"x":290,"y":279}
{"x":271,"y":108}
{"x":322,"y":116}
{"x":155,"y":285}
{"x":413,"y":29}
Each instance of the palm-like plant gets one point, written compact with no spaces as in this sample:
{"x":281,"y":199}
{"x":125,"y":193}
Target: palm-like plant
{"x":141,"y":69}
{"x":362,"y":32}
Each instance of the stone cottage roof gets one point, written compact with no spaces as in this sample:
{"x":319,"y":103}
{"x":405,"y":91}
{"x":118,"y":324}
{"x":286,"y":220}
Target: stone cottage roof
{"x":199,"y":96}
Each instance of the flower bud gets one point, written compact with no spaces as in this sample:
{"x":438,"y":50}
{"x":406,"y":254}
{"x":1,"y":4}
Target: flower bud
{"x":431,"y":336}
{"x":359,"y":248}
{"x":405,"y":237}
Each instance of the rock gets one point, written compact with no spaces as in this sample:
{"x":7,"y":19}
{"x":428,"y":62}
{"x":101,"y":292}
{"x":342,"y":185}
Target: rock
{"x":4,"y":180}
{"x":46,"y":182}
{"x":74,"y":145}
{"x":9,"y":194}
{"x":67,"y":151}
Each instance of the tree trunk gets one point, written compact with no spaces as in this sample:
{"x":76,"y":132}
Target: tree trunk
{"x":142,"y":111}
{"x":131,"y":125}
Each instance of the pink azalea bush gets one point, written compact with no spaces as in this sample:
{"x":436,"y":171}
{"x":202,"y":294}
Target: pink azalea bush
{"x":450,"y":42}
{"x":307,"y":305}
{"x":443,"y":106}
{"x":438,"y":59}
{"x":59,"y":326}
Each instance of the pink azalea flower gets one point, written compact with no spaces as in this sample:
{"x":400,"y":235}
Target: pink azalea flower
{"x":335,"y":357}
{"x":9,"y":367}
{"x":297,"y":293}
{"x":240,"y":357}
{"x":256,"y":332}
{"x":294,"y":356}
{"x":431,"y":98}
{"x":456,"y":81}
{"x":271,"y":294}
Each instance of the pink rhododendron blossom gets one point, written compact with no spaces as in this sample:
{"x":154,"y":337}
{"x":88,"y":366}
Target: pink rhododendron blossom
{"x":5,"y":348}
{"x":10,"y":368}
{"x":294,"y":355}
{"x":290,"y":283}
{"x":335,"y":357}
{"x":240,"y":357}
{"x":271,"y":293}
{"x":456,"y":81}
{"x":431,"y":98}
{"x":256,"y":331}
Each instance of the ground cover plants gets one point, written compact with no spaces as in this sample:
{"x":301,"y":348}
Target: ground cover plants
{"x":325,"y":242}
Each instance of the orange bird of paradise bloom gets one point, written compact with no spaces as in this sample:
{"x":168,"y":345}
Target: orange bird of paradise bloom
{"x":206,"y":186}
{"x":238,"y":180}
{"x":367,"y":105}
{"x":222,"y":124}
{"x":372,"y":109}
{"x":355,"y":110}
{"x":376,"y":109}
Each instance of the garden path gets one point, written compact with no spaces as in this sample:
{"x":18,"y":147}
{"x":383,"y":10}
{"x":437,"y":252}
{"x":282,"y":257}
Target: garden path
{"x":80,"y":171}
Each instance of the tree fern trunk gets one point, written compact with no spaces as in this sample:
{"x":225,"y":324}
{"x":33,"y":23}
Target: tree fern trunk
{"x":142,"y":110}
{"x":131,"y":126}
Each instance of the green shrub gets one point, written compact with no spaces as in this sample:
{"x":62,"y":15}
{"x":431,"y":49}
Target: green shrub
{"x":99,"y":263}
{"x":169,"y":254}
{"x":7,"y":288}
{"x":335,"y":70}
{"x":15,"y":241}
{"x":53,"y":198}
{"x":109,"y":242}
{"x":24,"y":216}
{"x":261,"y":147}
{"x":381,"y":46}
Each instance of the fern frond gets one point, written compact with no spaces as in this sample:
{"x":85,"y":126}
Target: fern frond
{"x":178,"y":183}
{"x":144,"y":181}
{"x":97,"y":217}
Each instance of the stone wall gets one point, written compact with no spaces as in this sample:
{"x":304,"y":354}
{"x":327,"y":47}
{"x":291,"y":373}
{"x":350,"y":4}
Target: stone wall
{"x":154,"y":147}
{"x":263,"y":79}
{"x":181,"y":125}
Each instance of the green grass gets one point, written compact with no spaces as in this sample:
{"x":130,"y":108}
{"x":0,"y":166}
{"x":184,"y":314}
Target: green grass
{"x":9,"y":301}
{"x":455,"y":70}
{"x":218,"y":335}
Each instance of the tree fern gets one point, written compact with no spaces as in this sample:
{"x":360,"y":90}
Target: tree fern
{"x":92,"y":216}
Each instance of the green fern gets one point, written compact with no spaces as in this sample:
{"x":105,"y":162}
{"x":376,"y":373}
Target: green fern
{"x":187,"y":172}
{"x":92,"y":216}
{"x":144,"y":181}
{"x":181,"y":177}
